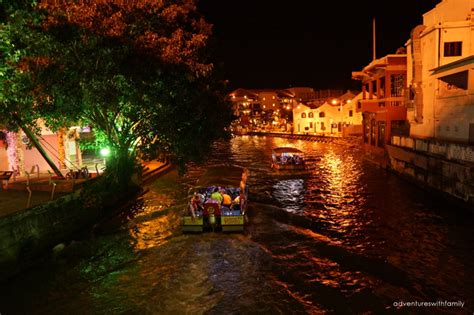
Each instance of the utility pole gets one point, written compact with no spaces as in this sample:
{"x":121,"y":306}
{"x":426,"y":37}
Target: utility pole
{"x":38,"y":146}
{"x":373,"y":40}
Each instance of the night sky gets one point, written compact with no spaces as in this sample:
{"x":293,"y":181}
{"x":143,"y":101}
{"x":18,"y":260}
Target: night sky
{"x":315,"y":43}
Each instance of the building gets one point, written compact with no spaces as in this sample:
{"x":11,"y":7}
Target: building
{"x":383,"y":103}
{"x":441,"y":73}
{"x":438,"y":152}
{"x":335,"y":117}
{"x":267,"y":109}
{"x":19,"y":155}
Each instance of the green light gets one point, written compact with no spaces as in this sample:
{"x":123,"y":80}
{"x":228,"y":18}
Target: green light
{"x":105,"y":151}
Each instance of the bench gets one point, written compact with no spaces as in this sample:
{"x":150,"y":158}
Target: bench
{"x":5,"y":176}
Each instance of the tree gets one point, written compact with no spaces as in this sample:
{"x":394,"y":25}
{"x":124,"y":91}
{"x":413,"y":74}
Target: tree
{"x":135,"y":70}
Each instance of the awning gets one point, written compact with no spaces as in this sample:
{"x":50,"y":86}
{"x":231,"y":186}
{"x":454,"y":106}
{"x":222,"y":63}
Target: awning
{"x":453,"y":67}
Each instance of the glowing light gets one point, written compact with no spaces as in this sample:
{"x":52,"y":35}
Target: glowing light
{"x":105,"y":151}
{"x":334,"y":102}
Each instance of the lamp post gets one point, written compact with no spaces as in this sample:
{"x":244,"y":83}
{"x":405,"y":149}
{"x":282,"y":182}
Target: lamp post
{"x":341,"y":102}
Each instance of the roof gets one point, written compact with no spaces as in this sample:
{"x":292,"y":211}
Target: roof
{"x":286,"y":150}
{"x":222,"y":175}
{"x":243,"y":92}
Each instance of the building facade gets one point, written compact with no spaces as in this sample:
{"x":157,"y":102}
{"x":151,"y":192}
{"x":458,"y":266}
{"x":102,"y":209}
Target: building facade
{"x":267,"y":109}
{"x":383,"y":103}
{"x":19,"y":155}
{"x":441,"y":73}
{"x":335,"y":117}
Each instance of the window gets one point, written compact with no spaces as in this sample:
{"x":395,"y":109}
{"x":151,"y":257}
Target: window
{"x":303,"y":115}
{"x":397,"y":84}
{"x":452,"y":49}
{"x":310,"y":115}
{"x":310,"y":124}
{"x":350,"y":113}
{"x":322,"y":115}
{"x":322,"y":126}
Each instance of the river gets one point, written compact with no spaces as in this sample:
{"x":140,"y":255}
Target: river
{"x":345,"y":237}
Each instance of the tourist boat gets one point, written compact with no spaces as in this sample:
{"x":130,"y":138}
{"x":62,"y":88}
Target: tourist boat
{"x":211,"y":215}
{"x":285,"y":158}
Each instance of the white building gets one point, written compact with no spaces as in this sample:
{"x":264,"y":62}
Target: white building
{"x":327,"y":119}
{"x":441,"y":73}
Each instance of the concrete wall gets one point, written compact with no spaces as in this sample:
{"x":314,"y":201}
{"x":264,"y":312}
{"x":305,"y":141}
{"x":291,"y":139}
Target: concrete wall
{"x":447,"y":150}
{"x":437,"y":172}
{"x":29,"y":233}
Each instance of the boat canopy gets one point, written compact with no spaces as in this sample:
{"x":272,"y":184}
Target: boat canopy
{"x":282,"y":150}
{"x":225,"y":175}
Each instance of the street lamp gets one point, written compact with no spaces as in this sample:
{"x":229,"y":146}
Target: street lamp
{"x":341,"y":102}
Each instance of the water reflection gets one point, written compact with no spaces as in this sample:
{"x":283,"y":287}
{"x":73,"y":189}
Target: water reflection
{"x":290,"y":194}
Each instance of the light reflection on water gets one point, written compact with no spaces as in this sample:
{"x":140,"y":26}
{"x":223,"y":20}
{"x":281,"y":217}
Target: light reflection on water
{"x":343,"y":237}
{"x":290,"y":194}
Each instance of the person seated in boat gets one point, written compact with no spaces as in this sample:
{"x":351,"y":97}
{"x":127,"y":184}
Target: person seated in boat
{"x":226,"y":198}
{"x":195,"y":205}
{"x":216,"y":195}
{"x":235,"y":204}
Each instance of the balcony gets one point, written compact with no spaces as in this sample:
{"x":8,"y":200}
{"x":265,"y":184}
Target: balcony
{"x":375,"y":105}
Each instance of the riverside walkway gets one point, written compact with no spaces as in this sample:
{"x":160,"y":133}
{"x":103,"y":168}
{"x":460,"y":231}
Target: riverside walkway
{"x":14,"y":196}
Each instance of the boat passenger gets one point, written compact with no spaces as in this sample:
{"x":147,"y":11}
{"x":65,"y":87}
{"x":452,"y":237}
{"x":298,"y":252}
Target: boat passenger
{"x":194,"y":205}
{"x":235,"y":204}
{"x":216,"y":195}
{"x":226,"y":198}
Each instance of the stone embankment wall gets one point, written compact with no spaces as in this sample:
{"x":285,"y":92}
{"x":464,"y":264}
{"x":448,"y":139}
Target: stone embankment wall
{"x":446,"y":167}
{"x":29,"y":233}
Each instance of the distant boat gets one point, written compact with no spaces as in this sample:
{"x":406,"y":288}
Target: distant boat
{"x":212,"y":215}
{"x":286,"y":158}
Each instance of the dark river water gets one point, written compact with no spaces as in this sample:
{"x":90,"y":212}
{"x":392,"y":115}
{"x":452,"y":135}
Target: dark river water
{"x":343,"y":238}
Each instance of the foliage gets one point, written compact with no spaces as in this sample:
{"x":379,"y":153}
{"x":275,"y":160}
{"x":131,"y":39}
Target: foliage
{"x":135,"y":70}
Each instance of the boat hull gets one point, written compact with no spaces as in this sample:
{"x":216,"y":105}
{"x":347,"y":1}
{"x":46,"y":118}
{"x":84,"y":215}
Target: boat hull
{"x":288,"y":167}
{"x":232,"y":223}
{"x":191,"y":225}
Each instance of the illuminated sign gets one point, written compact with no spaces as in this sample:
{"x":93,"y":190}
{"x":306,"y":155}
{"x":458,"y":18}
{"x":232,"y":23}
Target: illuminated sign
{"x":232,"y":220}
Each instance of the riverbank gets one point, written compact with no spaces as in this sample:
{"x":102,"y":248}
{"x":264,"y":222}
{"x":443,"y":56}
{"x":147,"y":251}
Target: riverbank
{"x":27,"y":233}
{"x":345,"y":141}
